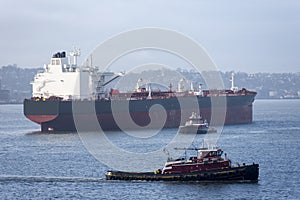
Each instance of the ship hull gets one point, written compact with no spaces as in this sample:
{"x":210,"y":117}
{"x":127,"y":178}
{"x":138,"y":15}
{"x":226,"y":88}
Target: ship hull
{"x":196,"y":129}
{"x":58,"y":115}
{"x":245,"y":173}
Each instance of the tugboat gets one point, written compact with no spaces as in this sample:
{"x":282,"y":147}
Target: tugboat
{"x":196,"y":124}
{"x":207,"y":166}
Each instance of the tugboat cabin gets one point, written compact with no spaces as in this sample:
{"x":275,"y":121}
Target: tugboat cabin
{"x":206,"y":159}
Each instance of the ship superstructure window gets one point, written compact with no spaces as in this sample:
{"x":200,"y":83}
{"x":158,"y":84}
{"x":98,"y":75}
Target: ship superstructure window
{"x":55,"y":62}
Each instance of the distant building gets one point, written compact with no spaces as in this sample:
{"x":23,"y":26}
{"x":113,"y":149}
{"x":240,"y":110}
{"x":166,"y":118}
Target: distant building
{"x":4,"y":95}
{"x":273,"y":93}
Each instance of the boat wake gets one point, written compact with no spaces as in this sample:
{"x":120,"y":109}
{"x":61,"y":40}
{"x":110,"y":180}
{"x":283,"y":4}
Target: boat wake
{"x":258,"y":131}
{"x":4,"y":178}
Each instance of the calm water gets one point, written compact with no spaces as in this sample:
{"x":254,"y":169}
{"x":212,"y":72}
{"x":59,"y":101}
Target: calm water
{"x":34,"y":165}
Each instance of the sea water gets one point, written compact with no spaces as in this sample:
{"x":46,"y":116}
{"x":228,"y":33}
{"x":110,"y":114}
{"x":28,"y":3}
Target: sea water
{"x":35,"y":165}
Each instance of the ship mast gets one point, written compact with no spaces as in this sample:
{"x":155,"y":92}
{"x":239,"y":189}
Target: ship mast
{"x":74,"y":54}
{"x":181,"y":85}
{"x":192,"y":87}
{"x":233,"y":88}
{"x":138,"y":85}
{"x":149,"y":94}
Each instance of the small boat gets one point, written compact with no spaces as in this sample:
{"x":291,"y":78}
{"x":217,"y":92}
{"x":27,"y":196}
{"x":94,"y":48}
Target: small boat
{"x":207,"y":166}
{"x":196,"y":124}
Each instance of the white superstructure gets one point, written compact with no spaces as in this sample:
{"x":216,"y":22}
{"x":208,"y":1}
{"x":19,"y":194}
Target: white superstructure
{"x":63,"y":78}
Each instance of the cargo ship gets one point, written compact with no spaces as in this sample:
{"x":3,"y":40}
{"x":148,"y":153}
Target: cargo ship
{"x":63,"y":86}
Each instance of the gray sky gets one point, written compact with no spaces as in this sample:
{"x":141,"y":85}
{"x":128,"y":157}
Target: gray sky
{"x":240,"y":35}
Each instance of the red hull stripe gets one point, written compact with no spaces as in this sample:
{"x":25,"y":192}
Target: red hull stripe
{"x":41,"y":118}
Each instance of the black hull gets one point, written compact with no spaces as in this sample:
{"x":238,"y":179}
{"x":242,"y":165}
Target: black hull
{"x":246,"y":173}
{"x":58,"y":115}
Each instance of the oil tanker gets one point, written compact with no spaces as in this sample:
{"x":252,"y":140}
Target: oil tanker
{"x":65,"y":93}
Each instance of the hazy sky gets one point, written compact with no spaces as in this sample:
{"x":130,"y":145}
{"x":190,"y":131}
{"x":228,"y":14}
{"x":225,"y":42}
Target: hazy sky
{"x":240,"y":35}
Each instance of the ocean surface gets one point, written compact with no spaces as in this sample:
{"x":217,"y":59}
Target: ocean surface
{"x":35,"y":165}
